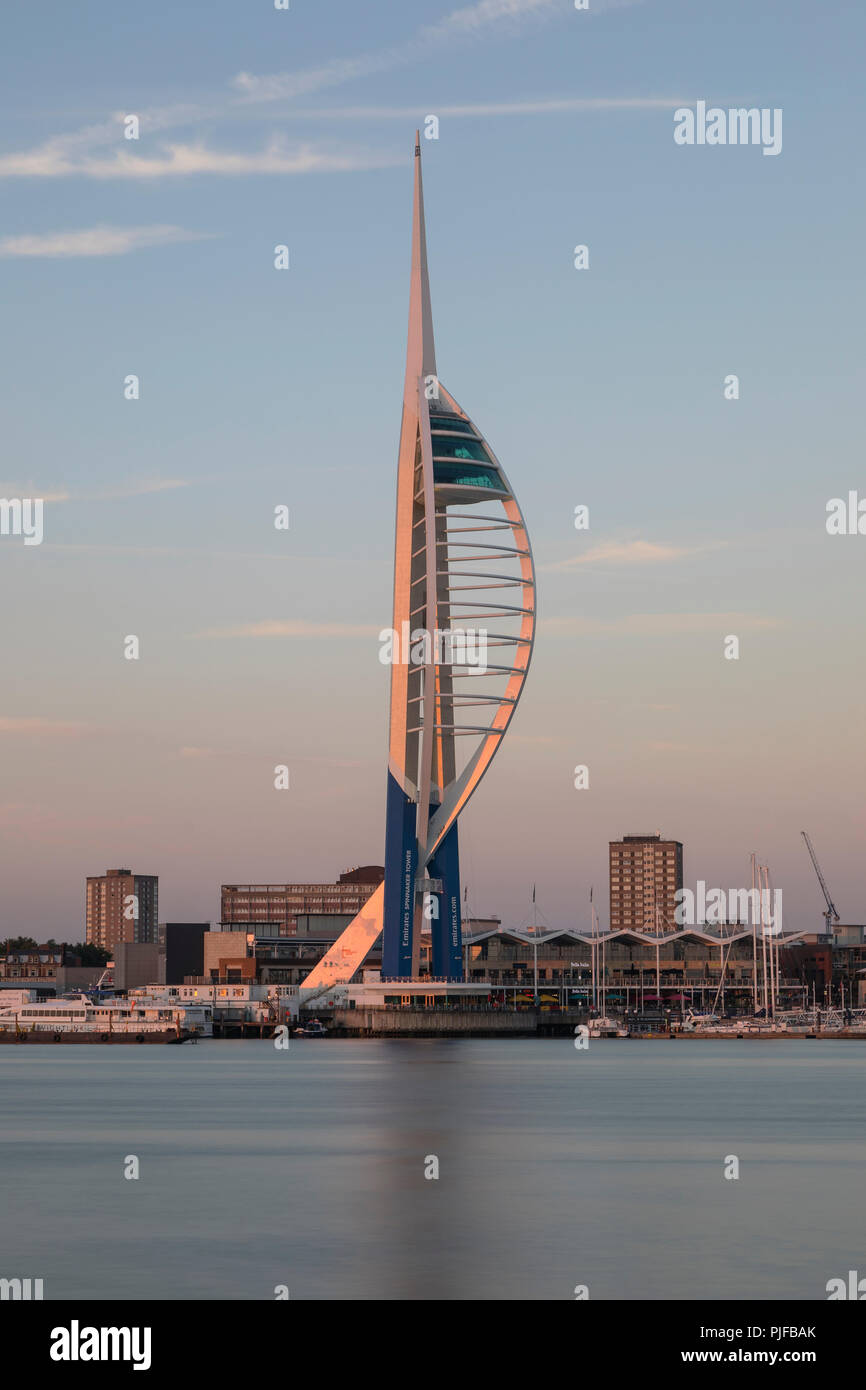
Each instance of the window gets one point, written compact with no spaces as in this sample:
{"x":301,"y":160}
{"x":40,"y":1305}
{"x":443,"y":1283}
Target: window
{"x":467,"y":475}
{"x":452,"y":423}
{"x":444,"y":448}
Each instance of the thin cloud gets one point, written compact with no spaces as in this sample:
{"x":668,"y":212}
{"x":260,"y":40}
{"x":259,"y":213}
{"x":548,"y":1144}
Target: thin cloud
{"x":30,"y":490}
{"x":96,"y":241}
{"x":472,"y":19}
{"x":45,"y":728}
{"x":630,"y":553}
{"x":295,"y":627}
{"x":547,"y":106}
{"x":469,"y":22}
{"x":133,"y":489}
{"x":142,"y":489}
{"x":75,"y":152}
{"x":186,"y":552}
{"x":334,"y":762}
{"x":658,"y":624}
{"x":70,"y":156}
{"x":184,"y":160}
{"x":62,"y":154}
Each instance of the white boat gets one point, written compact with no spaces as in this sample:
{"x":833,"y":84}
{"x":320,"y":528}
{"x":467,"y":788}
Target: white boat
{"x":604,"y":1027}
{"x":80,"y":1019}
{"x":738,"y":1027}
{"x":697,"y":1023}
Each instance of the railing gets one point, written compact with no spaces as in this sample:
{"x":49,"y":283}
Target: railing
{"x":457,"y":1007}
{"x":419,"y":981}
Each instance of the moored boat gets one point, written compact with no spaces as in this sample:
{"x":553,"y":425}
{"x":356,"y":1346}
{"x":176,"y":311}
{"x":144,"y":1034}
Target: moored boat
{"x":604,"y":1027}
{"x":314,"y":1029}
{"x":80,"y":1019}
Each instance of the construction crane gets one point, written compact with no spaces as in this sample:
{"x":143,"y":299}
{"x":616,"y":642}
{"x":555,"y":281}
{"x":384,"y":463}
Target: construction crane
{"x":830,"y":915}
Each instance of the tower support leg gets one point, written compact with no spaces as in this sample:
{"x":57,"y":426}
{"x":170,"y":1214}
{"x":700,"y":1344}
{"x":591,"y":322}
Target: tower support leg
{"x":401,"y":863}
{"x":447,"y":934}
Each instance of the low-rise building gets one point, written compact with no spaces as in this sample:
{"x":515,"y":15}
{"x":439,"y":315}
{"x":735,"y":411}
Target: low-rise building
{"x":273,"y":909}
{"x":35,"y":967}
{"x":233,"y":954}
{"x":184,"y":949}
{"x":686,"y":966}
{"x":138,"y":963}
{"x":81,"y":977}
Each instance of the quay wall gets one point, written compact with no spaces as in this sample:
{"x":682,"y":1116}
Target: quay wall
{"x":433,"y":1023}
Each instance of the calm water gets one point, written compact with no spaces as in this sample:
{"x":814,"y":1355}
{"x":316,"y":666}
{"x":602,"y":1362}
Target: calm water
{"x":557,"y":1168}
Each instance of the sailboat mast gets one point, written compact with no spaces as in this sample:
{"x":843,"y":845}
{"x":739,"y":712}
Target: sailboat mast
{"x":754,"y":945}
{"x":593,"y":950}
{"x":764,"y":995}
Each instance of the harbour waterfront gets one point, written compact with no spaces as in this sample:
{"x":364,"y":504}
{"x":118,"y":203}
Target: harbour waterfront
{"x":557,"y":1167}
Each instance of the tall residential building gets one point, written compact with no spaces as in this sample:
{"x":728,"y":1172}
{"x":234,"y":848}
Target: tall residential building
{"x":277,"y":906}
{"x":645,"y":873}
{"x":122,"y":906}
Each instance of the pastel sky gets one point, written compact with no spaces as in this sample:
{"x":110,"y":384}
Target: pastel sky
{"x":601,"y":387}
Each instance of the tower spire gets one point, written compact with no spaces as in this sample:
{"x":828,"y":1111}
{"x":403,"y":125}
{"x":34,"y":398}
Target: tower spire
{"x":420,"y":353}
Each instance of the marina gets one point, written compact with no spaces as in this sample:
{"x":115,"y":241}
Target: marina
{"x":526,"y":1023}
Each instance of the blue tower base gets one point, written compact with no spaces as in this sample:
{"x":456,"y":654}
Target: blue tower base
{"x":401,"y":866}
{"x":447,"y":929}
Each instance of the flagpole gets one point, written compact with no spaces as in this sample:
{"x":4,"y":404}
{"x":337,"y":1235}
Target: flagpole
{"x":534,"y":950}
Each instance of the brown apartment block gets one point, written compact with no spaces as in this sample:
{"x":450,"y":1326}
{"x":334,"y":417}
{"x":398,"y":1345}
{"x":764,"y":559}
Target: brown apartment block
{"x":645,"y":873}
{"x":279,"y":905}
{"x":122,"y":906}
